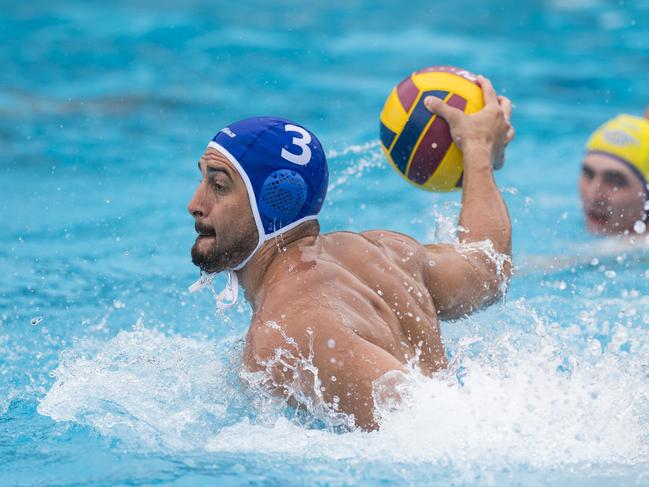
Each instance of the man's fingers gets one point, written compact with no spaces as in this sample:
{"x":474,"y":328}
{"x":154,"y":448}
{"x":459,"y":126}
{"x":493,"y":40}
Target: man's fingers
{"x":488,"y":92}
{"x":506,"y":105}
{"x":438,"y":107}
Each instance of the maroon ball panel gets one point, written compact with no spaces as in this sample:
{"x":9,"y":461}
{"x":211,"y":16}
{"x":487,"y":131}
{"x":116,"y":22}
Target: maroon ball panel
{"x":407,"y":92}
{"x":434,"y":145}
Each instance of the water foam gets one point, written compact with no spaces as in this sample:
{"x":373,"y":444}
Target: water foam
{"x":371,"y":157}
{"x":529,"y":395}
{"x":142,"y":386}
{"x":514,"y":403}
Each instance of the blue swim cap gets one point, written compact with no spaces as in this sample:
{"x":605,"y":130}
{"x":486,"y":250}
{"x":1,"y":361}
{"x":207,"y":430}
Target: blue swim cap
{"x":283,"y":167}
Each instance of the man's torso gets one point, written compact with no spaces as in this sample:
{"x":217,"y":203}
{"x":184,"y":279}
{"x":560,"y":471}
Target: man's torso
{"x":371,"y":283}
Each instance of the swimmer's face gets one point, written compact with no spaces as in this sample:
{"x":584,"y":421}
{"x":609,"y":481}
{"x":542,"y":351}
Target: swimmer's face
{"x":613,"y":196}
{"x":226,"y":228}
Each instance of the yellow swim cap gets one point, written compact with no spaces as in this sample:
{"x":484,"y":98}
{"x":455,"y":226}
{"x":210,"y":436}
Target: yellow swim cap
{"x":625,"y":138}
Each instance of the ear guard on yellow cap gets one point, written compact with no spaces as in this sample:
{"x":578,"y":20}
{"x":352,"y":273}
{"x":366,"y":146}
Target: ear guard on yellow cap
{"x":625,"y":138}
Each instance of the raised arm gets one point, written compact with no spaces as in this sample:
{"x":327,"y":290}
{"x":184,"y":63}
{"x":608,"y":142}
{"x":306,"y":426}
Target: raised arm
{"x":472,"y":275}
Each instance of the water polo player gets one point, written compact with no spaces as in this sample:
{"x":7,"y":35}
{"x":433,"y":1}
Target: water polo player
{"x":613,"y":182}
{"x":355,"y":305}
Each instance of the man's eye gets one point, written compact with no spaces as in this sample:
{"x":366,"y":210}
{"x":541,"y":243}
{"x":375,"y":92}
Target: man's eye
{"x":588,"y":173}
{"x":617,"y":181}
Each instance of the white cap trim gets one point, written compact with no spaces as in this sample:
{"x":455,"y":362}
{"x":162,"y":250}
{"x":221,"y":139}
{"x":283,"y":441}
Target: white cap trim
{"x":290,"y":226}
{"x":251,"y":198}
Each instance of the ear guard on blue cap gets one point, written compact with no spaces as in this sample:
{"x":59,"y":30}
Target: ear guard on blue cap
{"x":283,"y":195}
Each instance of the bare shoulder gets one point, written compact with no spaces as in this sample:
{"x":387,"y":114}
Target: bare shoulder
{"x":375,"y":237}
{"x":402,"y":249}
{"x":300,"y":327}
{"x":390,"y":239}
{"x":308,"y":349}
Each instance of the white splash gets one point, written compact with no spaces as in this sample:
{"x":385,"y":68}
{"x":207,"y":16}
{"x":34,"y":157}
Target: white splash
{"x":370,"y":157}
{"x":141,"y":385}
{"x":531,"y":395}
{"x":509,"y":405}
{"x":354,"y":149}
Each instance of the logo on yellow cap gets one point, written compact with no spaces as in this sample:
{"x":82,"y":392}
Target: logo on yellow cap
{"x":625,"y":138}
{"x":618,"y":137}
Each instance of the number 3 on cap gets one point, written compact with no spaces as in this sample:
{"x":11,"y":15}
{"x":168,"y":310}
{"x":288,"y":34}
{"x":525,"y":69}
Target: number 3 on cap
{"x":304,"y":156}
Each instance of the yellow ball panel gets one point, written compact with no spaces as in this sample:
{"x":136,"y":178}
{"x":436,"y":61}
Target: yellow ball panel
{"x":453,"y":83}
{"x":393,"y":115}
{"x":448,"y":173}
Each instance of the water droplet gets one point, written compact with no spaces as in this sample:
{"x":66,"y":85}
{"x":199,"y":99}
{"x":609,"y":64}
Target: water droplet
{"x":639,"y":227}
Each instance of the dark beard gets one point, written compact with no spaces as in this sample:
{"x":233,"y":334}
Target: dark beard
{"x":225,"y":253}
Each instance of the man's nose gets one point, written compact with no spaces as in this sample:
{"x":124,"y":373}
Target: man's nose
{"x":601,"y":191}
{"x":594,"y":189}
{"x":196,"y":205}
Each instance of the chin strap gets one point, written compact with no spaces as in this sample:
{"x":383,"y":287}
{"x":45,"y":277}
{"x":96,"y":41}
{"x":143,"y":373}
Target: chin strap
{"x":228,"y":297}
{"x":203,"y":281}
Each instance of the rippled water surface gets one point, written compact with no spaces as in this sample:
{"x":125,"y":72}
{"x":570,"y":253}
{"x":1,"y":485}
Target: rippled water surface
{"x":111,"y":373}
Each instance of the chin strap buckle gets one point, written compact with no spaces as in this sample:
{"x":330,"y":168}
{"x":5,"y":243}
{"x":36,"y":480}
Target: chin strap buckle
{"x":228,"y":297}
{"x":203,"y":281}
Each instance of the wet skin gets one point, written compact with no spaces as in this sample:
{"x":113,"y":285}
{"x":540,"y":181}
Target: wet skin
{"x":613,"y":196}
{"x":360,"y":305}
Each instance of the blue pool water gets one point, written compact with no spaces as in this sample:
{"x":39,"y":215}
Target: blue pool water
{"x":111,"y":374}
